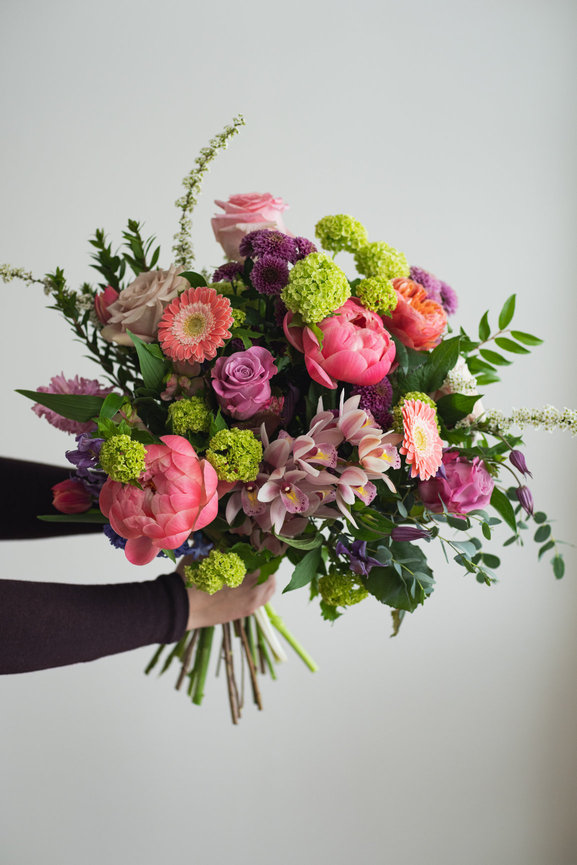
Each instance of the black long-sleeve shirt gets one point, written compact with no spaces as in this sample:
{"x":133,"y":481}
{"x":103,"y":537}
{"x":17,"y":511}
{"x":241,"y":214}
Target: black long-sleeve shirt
{"x":46,"y":625}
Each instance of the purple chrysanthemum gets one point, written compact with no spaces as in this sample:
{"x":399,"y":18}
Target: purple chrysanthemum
{"x":266,"y":242}
{"x":227,"y":272}
{"x":269,"y":274}
{"x":303,"y":247}
{"x":430,"y":283}
{"x":280,"y":311}
{"x":449,"y":298}
{"x":377,"y":399}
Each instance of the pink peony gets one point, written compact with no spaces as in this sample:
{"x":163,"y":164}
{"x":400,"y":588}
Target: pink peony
{"x":178,"y":496}
{"x":71,"y":497}
{"x":76,"y":385}
{"x":245,"y":213}
{"x":356,"y":347}
{"x":241,"y":381}
{"x":141,"y":305}
{"x":466,"y":487}
{"x":416,"y":320}
{"x":102,"y":301}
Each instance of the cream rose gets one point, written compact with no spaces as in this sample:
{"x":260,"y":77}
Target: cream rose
{"x":141,"y":305}
{"x":245,"y":213}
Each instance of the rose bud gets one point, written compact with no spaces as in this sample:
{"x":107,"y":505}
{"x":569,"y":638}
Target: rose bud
{"x":517,"y":459}
{"x":102,"y":301}
{"x":525,"y":499}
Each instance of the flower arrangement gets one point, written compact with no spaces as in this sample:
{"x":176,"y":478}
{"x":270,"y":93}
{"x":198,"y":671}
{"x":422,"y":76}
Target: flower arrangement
{"x":278,"y":409}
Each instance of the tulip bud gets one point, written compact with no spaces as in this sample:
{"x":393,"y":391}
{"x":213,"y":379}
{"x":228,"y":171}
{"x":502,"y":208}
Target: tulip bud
{"x":517,"y":459}
{"x":71,"y":497}
{"x":102,"y":301}
{"x":525,"y":499}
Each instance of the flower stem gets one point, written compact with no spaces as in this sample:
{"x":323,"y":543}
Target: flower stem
{"x":205,"y":645}
{"x":278,"y":623}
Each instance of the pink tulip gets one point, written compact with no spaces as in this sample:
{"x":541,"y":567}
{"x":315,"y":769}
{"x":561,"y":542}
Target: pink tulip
{"x":178,"y":496}
{"x":71,"y":497}
{"x":356,"y":347}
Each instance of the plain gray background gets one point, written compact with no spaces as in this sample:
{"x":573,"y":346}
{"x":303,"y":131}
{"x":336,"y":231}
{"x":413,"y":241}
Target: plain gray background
{"x":449,"y":129}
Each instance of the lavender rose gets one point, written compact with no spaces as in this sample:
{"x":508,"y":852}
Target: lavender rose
{"x":241,"y":381}
{"x":467,"y":485}
{"x":141,"y":305}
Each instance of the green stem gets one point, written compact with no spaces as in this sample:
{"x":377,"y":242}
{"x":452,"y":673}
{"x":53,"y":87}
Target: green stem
{"x":278,"y":623}
{"x":204,"y":652}
{"x":265,"y":653}
{"x":155,"y":659}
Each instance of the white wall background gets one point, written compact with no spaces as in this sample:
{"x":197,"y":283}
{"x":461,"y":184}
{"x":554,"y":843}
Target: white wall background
{"x":449,"y":129}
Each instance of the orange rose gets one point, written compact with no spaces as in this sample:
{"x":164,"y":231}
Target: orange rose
{"x":417,"y":321}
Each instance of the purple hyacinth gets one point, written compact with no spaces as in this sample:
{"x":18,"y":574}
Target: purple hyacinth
{"x":517,"y":459}
{"x":87,"y":452}
{"x":227,"y":272}
{"x":199,"y":548}
{"x":269,"y":274}
{"x":409,"y":533}
{"x":449,"y":299}
{"x":525,"y":498}
{"x":359,"y":562}
{"x":303,"y":247}
{"x":429,"y":281}
{"x":377,"y":399}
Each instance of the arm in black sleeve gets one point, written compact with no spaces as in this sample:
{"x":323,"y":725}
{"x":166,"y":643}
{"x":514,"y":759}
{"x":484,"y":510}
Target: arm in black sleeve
{"x":46,"y":625}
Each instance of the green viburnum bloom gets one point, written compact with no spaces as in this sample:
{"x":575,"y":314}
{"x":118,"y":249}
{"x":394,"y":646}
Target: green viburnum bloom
{"x":341,"y":233}
{"x":189,"y":415}
{"x":223,"y":287}
{"x":380,"y":259}
{"x":341,"y":590}
{"x":316,"y":287}
{"x":122,"y":458}
{"x":398,"y":413}
{"x":235,"y":454}
{"x":215,"y":572}
{"x":239,"y":317}
{"x":377,"y":294}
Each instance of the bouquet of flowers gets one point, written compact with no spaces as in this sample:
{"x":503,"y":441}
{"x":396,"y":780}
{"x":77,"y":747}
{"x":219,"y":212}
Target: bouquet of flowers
{"x":278,"y":409}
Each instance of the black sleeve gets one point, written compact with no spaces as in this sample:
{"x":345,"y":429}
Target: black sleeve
{"x":46,"y":625}
{"x":26,"y":493}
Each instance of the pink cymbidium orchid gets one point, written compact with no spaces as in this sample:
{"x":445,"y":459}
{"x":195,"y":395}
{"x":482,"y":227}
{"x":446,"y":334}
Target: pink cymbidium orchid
{"x":378,"y":454}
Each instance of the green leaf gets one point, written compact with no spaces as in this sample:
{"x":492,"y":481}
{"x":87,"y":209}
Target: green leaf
{"x":487,"y":378}
{"x":401,"y":355}
{"x":486,"y":531}
{"x":196,"y":280}
{"x":308,"y":544}
{"x":170,"y":555}
{"x":507,"y":312}
{"x":92,"y":516}
{"x":542,"y":533}
{"x":455,"y":406}
{"x":217,"y":424}
{"x":78,"y":407}
{"x":558,"y":566}
{"x":491,"y":561}
{"x":458,"y":523}
{"x":484,"y":329}
{"x":476,"y":365}
{"x":511,"y":346}
{"x":540,"y":517}
{"x":526,"y":338}
{"x":152,"y":367}
{"x":407,"y":584}
{"x":545,"y":548}
{"x":111,"y":405}
{"x":494,"y":357}
{"x":503,"y":507}
{"x":305,"y":570}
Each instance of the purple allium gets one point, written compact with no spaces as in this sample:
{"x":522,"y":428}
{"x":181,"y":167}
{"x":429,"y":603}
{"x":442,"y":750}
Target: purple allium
{"x":227,"y":272}
{"x":430,"y":283}
{"x":266,"y":242}
{"x":525,"y":499}
{"x":377,"y":399}
{"x":303,"y":247}
{"x":359,"y":562}
{"x":449,"y":300}
{"x":517,"y":459}
{"x":408,"y":533}
{"x":270,"y":274}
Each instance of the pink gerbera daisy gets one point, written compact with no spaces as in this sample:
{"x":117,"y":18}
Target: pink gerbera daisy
{"x":195,"y":324}
{"x":422,"y":446}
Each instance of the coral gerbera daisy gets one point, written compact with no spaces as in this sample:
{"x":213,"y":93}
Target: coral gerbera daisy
{"x":422,"y":446}
{"x":195,"y":324}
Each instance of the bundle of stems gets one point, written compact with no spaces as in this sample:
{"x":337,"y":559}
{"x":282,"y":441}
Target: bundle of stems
{"x":249,"y":644}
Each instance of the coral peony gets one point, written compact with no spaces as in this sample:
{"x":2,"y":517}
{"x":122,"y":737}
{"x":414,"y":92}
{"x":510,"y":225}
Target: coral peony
{"x":140,"y":305}
{"x":241,"y":381}
{"x":243,"y":214}
{"x":76,"y":385}
{"x":71,"y":497}
{"x":416,"y":320}
{"x":466,"y":486}
{"x":178,"y":496}
{"x":356,"y":347}
{"x":195,"y":324}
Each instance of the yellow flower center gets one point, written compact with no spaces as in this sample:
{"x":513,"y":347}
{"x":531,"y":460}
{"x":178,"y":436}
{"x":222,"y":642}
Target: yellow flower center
{"x":420,"y":439}
{"x":195,"y":324}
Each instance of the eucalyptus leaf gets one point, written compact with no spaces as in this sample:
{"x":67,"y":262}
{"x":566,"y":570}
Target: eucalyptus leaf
{"x":558,"y":566}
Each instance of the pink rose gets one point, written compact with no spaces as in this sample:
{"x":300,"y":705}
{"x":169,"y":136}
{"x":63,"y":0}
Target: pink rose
{"x":178,"y":496}
{"x":102,"y":301}
{"x":416,"y":320}
{"x":466,"y":487}
{"x":356,"y":347}
{"x":71,"y":497}
{"x":241,"y":381}
{"x":244,"y":213}
{"x":141,"y":305}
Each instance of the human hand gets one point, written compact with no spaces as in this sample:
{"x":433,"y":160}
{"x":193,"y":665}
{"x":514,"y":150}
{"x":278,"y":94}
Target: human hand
{"x":226,"y":604}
